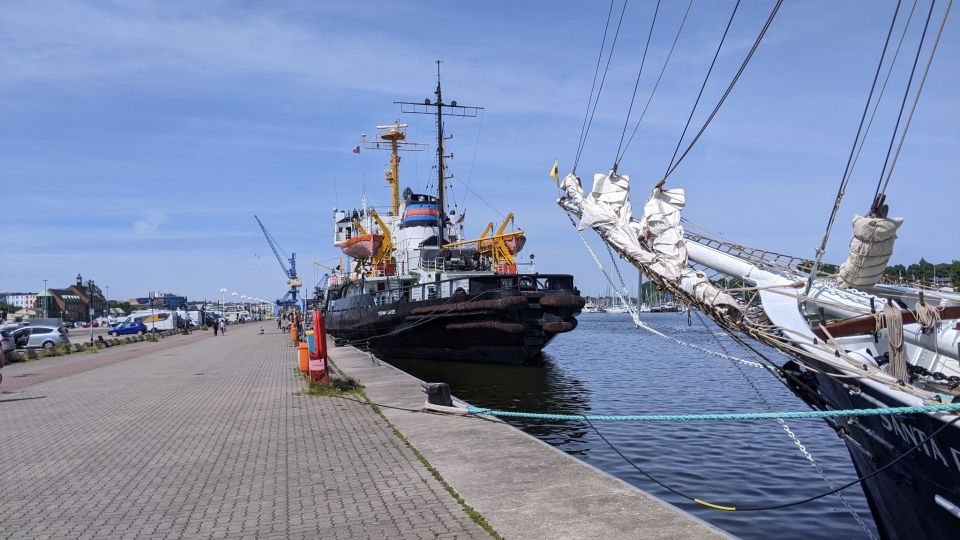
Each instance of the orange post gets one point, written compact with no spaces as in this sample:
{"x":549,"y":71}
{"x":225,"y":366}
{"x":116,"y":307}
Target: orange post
{"x":293,"y":333}
{"x":303,"y":357}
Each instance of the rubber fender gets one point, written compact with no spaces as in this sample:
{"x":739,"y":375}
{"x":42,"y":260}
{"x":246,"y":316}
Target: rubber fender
{"x":563,"y":300}
{"x":559,"y":327}
{"x":509,"y":328}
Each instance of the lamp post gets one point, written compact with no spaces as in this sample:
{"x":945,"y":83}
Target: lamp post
{"x":45,"y":301}
{"x":106,"y":306}
{"x":222,"y":291}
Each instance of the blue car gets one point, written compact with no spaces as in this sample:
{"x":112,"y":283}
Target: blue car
{"x":137,"y":328}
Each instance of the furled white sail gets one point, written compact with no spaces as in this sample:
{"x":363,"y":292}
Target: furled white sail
{"x":870,"y":250}
{"x":655,"y":240}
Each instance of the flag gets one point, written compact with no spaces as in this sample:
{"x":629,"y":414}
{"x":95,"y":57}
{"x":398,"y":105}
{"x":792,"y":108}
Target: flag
{"x":356,"y":149}
{"x":555,"y":172}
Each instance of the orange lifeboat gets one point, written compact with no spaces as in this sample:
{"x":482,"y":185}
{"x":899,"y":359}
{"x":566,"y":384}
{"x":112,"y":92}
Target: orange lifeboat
{"x":514,"y":243}
{"x":361,"y":247}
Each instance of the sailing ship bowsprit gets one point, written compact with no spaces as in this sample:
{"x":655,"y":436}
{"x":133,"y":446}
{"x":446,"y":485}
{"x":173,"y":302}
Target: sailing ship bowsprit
{"x":417,"y":289}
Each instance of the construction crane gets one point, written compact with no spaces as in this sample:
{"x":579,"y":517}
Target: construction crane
{"x":293,"y":281}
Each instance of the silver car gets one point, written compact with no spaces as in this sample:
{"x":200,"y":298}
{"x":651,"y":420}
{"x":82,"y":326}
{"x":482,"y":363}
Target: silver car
{"x":34,"y":337}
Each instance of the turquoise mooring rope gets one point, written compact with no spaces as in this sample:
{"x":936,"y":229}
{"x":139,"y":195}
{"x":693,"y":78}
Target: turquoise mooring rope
{"x":945,"y":407}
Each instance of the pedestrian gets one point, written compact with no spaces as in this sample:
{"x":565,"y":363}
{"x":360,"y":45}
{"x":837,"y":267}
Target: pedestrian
{"x":223,"y":326}
{"x":216,"y":327}
{"x":279,"y":322}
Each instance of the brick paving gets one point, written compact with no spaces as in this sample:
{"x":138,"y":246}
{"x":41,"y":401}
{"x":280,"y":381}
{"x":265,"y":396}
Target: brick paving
{"x":209,"y":440}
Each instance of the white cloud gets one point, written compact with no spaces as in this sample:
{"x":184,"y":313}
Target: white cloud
{"x":149,"y":224}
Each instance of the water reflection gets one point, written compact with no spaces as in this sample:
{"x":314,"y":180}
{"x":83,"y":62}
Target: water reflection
{"x":540,"y":387}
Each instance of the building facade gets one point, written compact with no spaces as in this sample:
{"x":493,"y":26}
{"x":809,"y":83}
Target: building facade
{"x":23,"y":300}
{"x":74,"y":303}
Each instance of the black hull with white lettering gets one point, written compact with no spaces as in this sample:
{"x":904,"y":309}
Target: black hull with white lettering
{"x":489,"y":318}
{"x":917,"y":496}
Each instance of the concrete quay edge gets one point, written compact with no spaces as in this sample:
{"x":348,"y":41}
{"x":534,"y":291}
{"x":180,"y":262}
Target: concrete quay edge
{"x":522,"y":486}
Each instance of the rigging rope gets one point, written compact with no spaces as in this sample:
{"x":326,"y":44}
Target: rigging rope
{"x":636,"y":85}
{"x":845,"y":178}
{"x":704,"y":85}
{"x":903,"y":104}
{"x":657,"y":84}
{"x":916,"y":98}
{"x":721,"y":417}
{"x":726,"y":93}
{"x":585,"y":130}
{"x":894,"y":323}
{"x":883,"y":87}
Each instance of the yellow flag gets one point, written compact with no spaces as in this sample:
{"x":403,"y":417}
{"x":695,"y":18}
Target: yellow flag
{"x":555,"y":172}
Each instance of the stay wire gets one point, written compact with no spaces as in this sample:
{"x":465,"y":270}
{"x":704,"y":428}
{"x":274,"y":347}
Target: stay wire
{"x":729,"y":89}
{"x":656,"y":85}
{"x":883,"y":87}
{"x":903,"y":103}
{"x":596,"y":101}
{"x":916,"y":98}
{"x":593,"y":85}
{"x":704,"y":85}
{"x":845,"y":178}
{"x":643,"y":60}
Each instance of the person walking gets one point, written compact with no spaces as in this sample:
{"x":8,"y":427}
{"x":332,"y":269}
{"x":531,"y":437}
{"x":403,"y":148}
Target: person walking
{"x":216,"y":327}
{"x":223,"y":326}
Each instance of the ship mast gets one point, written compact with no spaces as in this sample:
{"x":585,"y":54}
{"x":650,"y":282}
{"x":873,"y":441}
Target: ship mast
{"x":437,"y":109}
{"x":396,"y":142}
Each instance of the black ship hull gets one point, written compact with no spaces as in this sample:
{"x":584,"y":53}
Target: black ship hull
{"x":917,"y":497}
{"x":496,"y":318}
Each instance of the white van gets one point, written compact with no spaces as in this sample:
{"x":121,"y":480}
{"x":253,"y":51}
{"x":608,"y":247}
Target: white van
{"x":155,"y":320}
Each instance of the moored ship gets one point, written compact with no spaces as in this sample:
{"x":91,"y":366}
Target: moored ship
{"x":418,"y":289}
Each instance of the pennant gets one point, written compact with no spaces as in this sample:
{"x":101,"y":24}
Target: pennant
{"x":555,"y":172}
{"x":356,"y":149}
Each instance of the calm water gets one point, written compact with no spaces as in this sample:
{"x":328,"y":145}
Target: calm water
{"x":606,"y":366}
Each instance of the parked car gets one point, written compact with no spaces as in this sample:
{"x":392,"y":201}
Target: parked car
{"x":126,"y":329}
{"x":34,"y":337}
{"x":6,"y":342}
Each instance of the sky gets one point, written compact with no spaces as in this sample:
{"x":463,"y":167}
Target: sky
{"x":139,"y":138}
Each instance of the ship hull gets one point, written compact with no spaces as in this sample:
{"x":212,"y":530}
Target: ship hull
{"x":912,"y":498}
{"x":500,"y":325}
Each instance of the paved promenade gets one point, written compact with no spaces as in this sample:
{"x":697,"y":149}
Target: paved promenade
{"x":209,"y":439}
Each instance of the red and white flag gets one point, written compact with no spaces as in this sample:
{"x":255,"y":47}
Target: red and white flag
{"x":356,"y":149}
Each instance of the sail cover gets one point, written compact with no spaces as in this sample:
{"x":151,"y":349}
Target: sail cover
{"x":655,"y":240}
{"x":870,"y":250}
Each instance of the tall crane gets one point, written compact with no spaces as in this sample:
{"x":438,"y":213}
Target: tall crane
{"x":293,"y":281}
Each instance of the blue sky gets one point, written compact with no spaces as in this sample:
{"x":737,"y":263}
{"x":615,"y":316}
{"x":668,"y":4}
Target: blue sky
{"x":137,"y":139}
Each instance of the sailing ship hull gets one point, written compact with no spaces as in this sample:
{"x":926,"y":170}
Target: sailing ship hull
{"x":913,"y":498}
{"x":482,"y":320}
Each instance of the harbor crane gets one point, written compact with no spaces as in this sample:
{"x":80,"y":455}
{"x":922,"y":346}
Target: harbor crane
{"x":291,"y":299}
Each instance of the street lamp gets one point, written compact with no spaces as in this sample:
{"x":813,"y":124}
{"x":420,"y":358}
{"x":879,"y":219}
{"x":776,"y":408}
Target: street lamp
{"x":106,"y":307}
{"x":45,"y":301}
{"x":222,"y":290}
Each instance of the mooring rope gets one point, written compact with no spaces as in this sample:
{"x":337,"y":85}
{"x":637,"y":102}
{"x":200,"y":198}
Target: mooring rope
{"x":719,"y":417}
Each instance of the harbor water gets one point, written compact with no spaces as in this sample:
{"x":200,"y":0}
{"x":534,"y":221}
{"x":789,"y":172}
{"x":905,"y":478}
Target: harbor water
{"x":608,"y":366}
